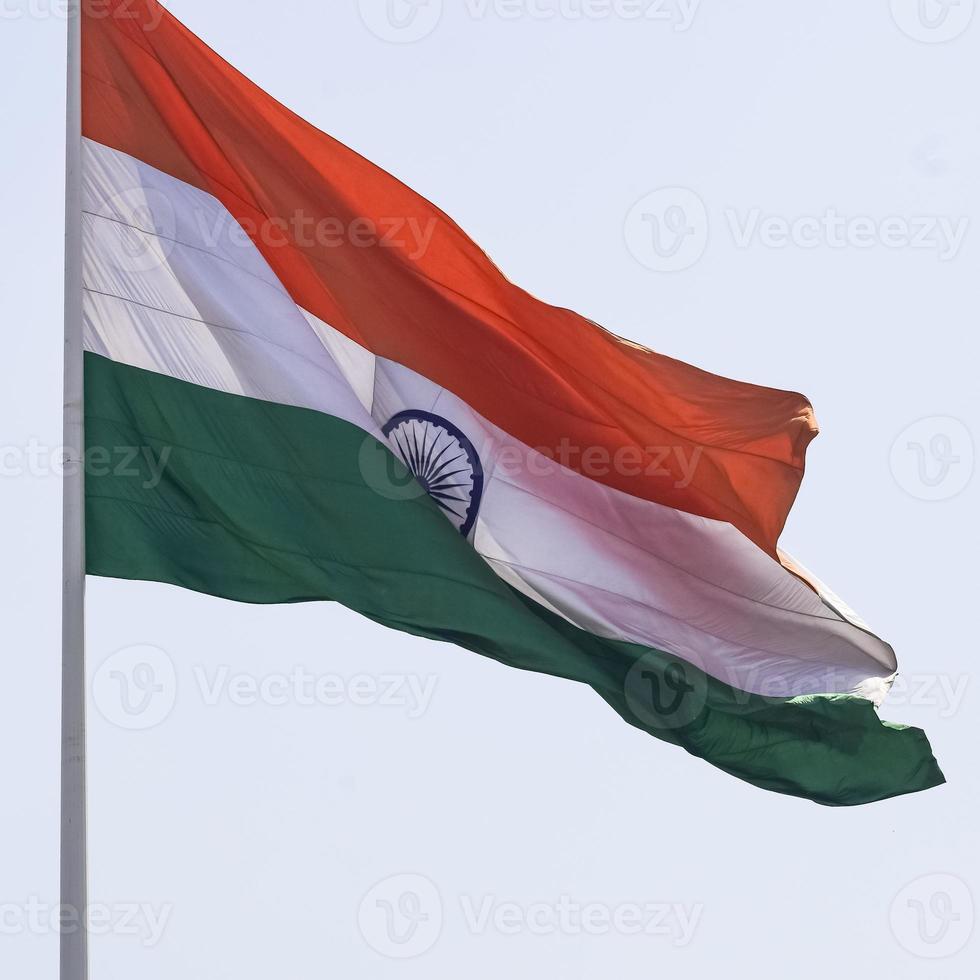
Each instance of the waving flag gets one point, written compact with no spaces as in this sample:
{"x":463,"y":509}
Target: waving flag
{"x":337,"y":395}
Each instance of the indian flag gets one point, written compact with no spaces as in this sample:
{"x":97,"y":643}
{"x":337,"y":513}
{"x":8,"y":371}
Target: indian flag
{"x":336,"y":395}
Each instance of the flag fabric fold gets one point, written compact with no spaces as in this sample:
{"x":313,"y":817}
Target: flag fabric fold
{"x":339,"y":396}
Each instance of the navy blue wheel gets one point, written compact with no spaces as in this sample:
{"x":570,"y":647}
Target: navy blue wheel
{"x":443,"y":460}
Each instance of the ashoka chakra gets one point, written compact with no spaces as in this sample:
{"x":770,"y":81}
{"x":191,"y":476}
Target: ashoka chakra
{"x":443,"y":461}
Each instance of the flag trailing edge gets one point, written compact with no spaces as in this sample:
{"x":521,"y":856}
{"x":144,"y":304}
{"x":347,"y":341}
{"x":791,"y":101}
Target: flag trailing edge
{"x":341,"y":415}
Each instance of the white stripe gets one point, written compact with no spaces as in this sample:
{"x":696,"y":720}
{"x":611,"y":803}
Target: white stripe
{"x":173,"y":286}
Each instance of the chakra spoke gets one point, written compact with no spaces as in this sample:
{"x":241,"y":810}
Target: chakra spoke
{"x":449,"y":509}
{"x":435,"y":460}
{"x":449,"y":462}
{"x":448,"y":476}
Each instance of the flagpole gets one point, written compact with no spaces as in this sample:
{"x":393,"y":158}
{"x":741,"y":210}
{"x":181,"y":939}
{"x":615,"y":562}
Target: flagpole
{"x":74,"y":886}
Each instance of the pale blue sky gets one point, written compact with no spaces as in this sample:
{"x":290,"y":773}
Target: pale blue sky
{"x":835,"y":149}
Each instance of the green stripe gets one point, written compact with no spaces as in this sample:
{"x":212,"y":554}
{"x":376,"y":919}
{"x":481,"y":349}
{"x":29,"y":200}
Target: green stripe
{"x":260,"y":502}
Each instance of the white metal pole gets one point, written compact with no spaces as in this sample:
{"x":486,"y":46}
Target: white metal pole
{"x":74,"y":887}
